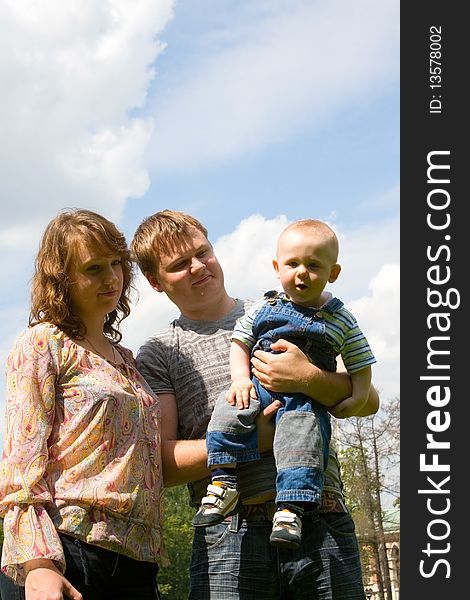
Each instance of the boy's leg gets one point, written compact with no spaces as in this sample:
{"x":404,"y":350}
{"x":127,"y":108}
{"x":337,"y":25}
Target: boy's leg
{"x":231,"y":438}
{"x":222,"y":497}
{"x":231,"y":434}
{"x":301,"y":446}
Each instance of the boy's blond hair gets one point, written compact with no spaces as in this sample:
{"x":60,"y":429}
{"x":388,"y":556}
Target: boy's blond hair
{"x":319,"y":229}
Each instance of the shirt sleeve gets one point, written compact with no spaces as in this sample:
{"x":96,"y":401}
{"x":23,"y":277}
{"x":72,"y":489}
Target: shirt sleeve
{"x":29,"y":532}
{"x":349,"y":341}
{"x":243,"y":330}
{"x":152,"y":362}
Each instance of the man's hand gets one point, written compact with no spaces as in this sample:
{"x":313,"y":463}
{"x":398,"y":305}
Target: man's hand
{"x":290,"y":371}
{"x":265,"y":426}
{"x":286,"y":371}
{"x":241,"y":392}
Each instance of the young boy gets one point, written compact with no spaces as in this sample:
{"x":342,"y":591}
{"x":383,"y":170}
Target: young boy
{"x":305,"y":314}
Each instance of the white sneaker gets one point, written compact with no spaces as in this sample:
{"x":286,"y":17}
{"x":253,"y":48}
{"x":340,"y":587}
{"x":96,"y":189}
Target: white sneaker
{"x":221,"y":501}
{"x":287,"y":530}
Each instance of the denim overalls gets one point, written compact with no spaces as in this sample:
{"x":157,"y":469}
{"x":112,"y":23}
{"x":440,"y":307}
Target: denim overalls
{"x":303,"y":429}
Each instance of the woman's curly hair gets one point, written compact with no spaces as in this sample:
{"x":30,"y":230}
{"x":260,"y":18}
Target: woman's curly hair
{"x":50,"y":286}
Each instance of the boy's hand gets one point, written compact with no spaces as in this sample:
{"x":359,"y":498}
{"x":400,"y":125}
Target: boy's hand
{"x":240,"y":393}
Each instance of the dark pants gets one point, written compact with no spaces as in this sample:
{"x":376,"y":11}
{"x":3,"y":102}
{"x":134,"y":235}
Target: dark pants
{"x":98,"y":574}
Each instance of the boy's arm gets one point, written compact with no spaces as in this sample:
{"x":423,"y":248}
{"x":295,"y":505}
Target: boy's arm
{"x":242,"y":388}
{"x":291,"y":371}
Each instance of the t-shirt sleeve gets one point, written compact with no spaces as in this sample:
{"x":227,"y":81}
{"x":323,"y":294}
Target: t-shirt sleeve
{"x":243,"y":330}
{"x":349,"y":341}
{"x":153,"y":363}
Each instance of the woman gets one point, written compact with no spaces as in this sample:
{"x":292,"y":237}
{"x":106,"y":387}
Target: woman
{"x":80,"y":477}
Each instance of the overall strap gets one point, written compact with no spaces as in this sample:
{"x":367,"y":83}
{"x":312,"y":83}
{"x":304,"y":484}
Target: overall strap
{"x":272,"y":296}
{"x":332,"y":305}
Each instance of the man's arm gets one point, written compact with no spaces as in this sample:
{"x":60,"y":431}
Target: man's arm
{"x":183,"y":460}
{"x":370,"y":407}
{"x":291,"y":371}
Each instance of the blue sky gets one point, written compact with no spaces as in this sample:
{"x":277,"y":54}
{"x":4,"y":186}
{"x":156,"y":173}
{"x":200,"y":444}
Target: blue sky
{"x":248,"y":114}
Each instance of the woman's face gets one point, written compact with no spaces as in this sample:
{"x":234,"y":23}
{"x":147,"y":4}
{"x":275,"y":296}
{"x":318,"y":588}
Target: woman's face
{"x":96,"y":281}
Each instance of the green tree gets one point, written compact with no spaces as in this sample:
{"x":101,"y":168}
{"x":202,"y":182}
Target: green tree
{"x":369,"y":459}
{"x":173,"y":580}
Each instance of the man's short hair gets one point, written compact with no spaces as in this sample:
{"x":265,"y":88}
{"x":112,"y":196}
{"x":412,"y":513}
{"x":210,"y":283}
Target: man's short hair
{"x":162,"y":233}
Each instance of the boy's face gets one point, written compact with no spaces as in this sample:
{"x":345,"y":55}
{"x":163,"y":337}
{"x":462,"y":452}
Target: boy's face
{"x":191,"y":275}
{"x":304,"y":266}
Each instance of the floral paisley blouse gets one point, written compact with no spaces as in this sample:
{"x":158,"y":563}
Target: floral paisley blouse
{"x":81,"y":453}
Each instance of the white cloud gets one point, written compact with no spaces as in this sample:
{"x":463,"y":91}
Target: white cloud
{"x":246,"y":255}
{"x":363,"y":252}
{"x":378,"y":314}
{"x":20,"y":235}
{"x":262,"y":84}
{"x":72,"y":74}
{"x":151,"y":311}
{"x":76,"y":71}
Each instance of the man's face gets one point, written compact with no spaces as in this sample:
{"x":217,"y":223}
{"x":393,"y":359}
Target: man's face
{"x":190,"y":276}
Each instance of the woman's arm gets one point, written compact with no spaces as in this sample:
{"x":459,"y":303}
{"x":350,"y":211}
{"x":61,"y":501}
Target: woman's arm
{"x":30,"y":409}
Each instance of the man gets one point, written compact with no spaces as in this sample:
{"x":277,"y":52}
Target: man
{"x":187,"y":365}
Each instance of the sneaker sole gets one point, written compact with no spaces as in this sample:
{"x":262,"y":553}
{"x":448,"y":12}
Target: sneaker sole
{"x":215,"y":518}
{"x":283,"y":544}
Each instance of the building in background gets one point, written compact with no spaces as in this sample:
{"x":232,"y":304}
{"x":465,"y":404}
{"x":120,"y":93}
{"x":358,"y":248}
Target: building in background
{"x":391,"y":522}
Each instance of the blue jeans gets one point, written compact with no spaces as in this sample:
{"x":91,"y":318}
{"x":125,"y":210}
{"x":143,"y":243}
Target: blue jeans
{"x":242,"y":565}
{"x":9,"y":590}
{"x":301,"y":441}
{"x":98,"y":574}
